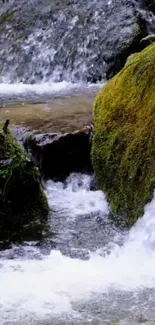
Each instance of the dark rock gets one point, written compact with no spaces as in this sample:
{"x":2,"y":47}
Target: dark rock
{"x":94,"y":184}
{"x":149,"y":4}
{"x":57,"y":155}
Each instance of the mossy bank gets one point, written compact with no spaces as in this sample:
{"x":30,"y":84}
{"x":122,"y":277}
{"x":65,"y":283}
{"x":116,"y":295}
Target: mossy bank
{"x":123,"y":151}
{"x":23,"y":204}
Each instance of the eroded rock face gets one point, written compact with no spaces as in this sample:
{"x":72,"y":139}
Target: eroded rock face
{"x":67,"y":40}
{"x":57,"y":155}
{"x":124,"y":139}
{"x":23,"y":204}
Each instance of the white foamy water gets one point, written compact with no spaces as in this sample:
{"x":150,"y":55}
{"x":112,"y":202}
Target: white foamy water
{"x":41,"y":88}
{"x":75,"y":198}
{"x":44,"y":90}
{"x":118,"y":286}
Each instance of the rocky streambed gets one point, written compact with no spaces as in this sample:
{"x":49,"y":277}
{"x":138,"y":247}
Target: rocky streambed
{"x":84,"y":270}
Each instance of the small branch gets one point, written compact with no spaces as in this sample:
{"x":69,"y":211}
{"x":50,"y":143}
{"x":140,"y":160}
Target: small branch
{"x":5,"y":127}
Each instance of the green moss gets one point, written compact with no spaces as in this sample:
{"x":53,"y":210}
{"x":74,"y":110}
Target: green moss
{"x":6,"y":17}
{"x":23,"y":204}
{"x":123,"y":150}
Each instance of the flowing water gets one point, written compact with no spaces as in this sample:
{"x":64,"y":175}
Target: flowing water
{"x":86,"y":271}
{"x":44,"y":40}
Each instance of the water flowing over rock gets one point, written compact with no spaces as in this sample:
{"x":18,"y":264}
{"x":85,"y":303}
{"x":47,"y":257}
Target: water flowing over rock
{"x":71,"y":40}
{"x":84,"y":270}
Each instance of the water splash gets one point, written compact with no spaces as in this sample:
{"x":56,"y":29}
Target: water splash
{"x":20,"y":92}
{"x":41,"y":287}
{"x":75,"y":198}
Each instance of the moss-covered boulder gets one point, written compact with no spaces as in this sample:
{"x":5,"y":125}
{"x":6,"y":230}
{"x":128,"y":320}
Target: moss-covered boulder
{"x":123,"y":150}
{"x":23,"y":204}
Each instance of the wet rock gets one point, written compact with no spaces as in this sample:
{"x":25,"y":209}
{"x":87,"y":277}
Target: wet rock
{"x":23,"y":205}
{"x":149,"y":4}
{"x":71,"y":40}
{"x":94,"y":184}
{"x":58,"y":154}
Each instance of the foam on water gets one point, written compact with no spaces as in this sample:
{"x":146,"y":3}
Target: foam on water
{"x":20,"y":88}
{"x":39,"y":287}
{"x":75,"y":198}
{"x":44,"y":90}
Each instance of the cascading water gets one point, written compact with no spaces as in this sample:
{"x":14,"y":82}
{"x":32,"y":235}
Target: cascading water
{"x":85,"y":271}
{"x":110,"y":282}
{"x":64,"y":42}
{"x":54,"y":48}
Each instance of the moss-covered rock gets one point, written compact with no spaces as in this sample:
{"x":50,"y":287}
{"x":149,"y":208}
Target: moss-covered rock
{"x":123,"y":150}
{"x":23,"y":204}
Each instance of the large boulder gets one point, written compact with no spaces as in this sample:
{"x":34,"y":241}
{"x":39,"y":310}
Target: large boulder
{"x":23,"y":204}
{"x":123,"y":150}
{"x":59,"y":154}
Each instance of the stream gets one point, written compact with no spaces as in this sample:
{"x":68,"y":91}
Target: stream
{"x":54,"y":57}
{"x":85,"y":271}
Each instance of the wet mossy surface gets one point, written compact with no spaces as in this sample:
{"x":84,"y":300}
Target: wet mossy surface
{"x":123,"y":152}
{"x":23,"y":204}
